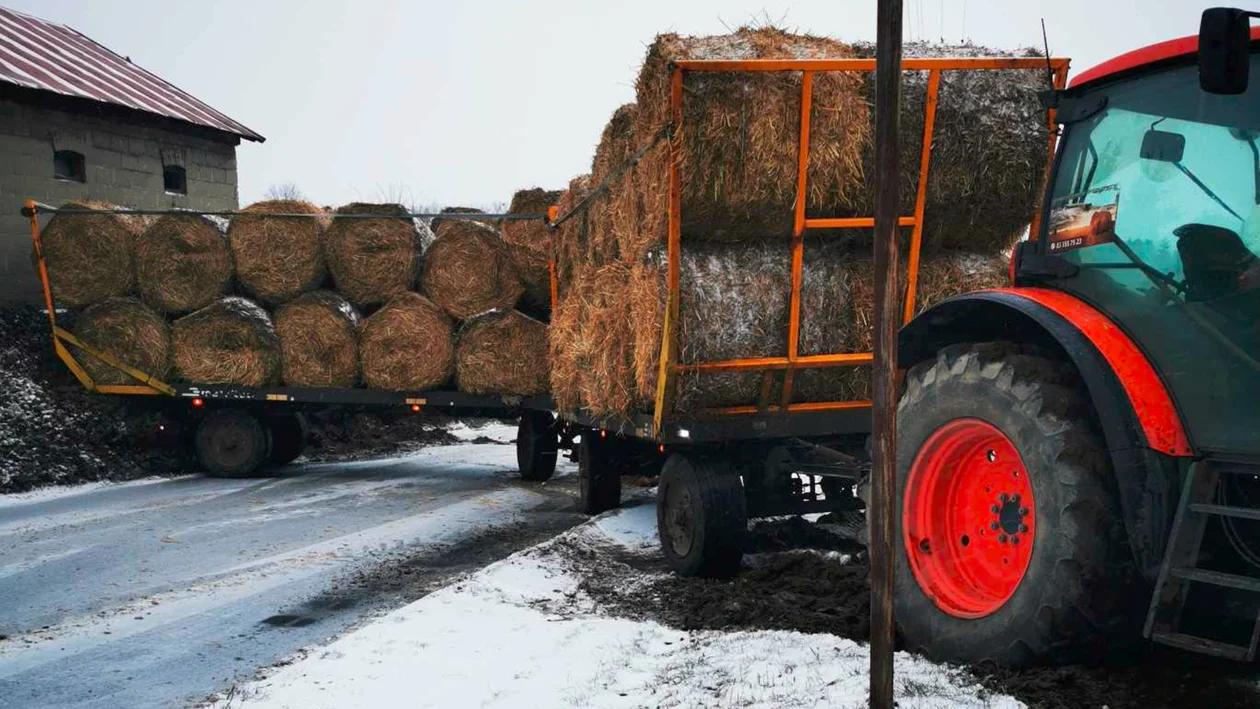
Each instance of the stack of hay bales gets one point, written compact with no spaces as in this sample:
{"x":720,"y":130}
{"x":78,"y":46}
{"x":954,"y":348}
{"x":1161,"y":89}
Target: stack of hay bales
{"x":529,"y":242}
{"x":277,"y":296}
{"x":739,"y":142}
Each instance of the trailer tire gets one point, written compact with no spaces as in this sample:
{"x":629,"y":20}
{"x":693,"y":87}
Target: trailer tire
{"x":288,"y":438}
{"x":231,"y":443}
{"x":701,"y":517}
{"x":537,"y":444}
{"x":599,"y":476}
{"x":1009,"y":542}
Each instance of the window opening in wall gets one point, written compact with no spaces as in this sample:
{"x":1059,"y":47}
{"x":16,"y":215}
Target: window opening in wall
{"x":174,"y":179}
{"x":69,"y":165}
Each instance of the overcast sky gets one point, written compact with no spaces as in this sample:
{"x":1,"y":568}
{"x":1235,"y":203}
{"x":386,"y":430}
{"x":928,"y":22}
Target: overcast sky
{"x":465,"y":102}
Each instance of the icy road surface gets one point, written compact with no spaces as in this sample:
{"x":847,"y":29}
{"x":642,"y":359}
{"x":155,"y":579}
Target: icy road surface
{"x":159,"y":593}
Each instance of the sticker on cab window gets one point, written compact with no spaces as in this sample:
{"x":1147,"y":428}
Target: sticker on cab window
{"x":1086,"y":219}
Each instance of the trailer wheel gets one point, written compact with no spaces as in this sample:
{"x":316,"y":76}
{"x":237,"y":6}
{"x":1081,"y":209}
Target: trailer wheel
{"x":599,"y":475}
{"x":1011,"y":547}
{"x":701,"y":517}
{"x":536,"y":445}
{"x":231,"y":443}
{"x":288,"y":438}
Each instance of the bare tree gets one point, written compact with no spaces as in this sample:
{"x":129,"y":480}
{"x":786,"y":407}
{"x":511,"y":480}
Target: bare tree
{"x":284,"y":190}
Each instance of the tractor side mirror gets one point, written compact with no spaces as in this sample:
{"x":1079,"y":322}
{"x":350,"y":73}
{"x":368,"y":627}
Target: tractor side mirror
{"x":1224,"y":50}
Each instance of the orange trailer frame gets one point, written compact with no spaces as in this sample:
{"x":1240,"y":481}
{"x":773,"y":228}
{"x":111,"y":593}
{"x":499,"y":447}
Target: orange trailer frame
{"x":669,"y":365}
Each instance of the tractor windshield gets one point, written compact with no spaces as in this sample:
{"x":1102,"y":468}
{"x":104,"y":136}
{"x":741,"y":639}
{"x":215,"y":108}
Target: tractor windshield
{"x":1157,"y":199}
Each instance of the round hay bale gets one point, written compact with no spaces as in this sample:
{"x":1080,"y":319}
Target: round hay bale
{"x":469,"y":270}
{"x":278,"y":258}
{"x":564,"y":343}
{"x":373,"y":260}
{"x":230,"y":341}
{"x":735,"y":304}
{"x":988,"y":149}
{"x":436,"y":224}
{"x":319,"y":341}
{"x":535,"y":275}
{"x":182,"y":263}
{"x":128,"y":331}
{"x":572,"y":238}
{"x":592,"y":344}
{"x":407,"y":345}
{"x":531,"y":235}
{"x":740,"y":136}
{"x":90,"y":257}
{"x":616,"y":215}
{"x":502,"y":352}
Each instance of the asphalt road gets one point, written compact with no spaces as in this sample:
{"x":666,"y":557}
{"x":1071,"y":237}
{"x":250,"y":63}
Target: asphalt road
{"x":163,"y":592}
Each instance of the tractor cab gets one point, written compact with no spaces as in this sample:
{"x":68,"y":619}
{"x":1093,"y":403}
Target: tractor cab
{"x":1153,"y":218}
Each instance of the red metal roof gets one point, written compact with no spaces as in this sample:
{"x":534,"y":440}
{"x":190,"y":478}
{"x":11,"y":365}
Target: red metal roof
{"x":43,"y":55}
{"x":1169,"y":49}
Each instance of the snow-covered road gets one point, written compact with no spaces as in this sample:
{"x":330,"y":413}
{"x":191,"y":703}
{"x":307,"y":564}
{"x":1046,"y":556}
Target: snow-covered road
{"x":160,"y":592}
{"x":522,"y":633}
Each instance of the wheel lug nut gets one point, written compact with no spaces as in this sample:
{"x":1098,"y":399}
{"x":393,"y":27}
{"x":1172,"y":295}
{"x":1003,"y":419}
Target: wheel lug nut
{"x":994,"y":526}
{"x":995,"y":509}
{"x":1023,"y":512}
{"x":1002,"y":538}
{"x":1015,"y":498}
{"x":1014,"y":540}
{"x":1004,"y":497}
{"x":1023,"y":529}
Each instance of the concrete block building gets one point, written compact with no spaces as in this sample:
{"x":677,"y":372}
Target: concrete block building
{"x":78,"y":121}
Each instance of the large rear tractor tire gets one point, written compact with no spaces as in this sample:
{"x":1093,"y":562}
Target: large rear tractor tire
{"x":231,"y":443}
{"x":537,"y":443}
{"x":1010,"y":546}
{"x":288,"y":438}
{"x":701,"y":517}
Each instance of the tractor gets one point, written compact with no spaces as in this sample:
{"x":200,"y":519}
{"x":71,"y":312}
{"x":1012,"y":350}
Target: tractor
{"x":1078,"y":454}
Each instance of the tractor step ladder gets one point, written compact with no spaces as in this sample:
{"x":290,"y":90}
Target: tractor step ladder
{"x":1180,"y":569}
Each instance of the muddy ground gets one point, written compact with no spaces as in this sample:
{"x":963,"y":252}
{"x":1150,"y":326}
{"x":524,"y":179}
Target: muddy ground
{"x":802,"y":577}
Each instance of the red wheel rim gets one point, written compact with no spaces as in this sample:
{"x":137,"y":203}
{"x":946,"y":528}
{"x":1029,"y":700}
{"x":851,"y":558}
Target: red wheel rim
{"x":969,"y":519}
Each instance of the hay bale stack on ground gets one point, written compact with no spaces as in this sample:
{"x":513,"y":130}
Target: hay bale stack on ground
{"x":740,"y":137}
{"x":90,"y":257}
{"x":502,"y":352}
{"x":530,"y":244}
{"x":591,"y":341}
{"x":231,"y":341}
{"x":182,"y":263}
{"x":469,"y":270}
{"x":373,"y":260}
{"x":407,"y":345}
{"x":615,"y":213}
{"x":278,"y":258}
{"x":319,"y":341}
{"x":572,"y":238}
{"x":128,"y":331}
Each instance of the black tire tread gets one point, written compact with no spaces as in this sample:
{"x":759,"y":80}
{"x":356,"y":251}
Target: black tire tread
{"x":212,"y":468}
{"x":723,"y":518}
{"x":599,"y":479}
{"x":1081,"y":609}
{"x":536,"y":450}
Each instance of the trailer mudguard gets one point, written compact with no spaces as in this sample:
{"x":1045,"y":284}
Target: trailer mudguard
{"x":1137,"y":416}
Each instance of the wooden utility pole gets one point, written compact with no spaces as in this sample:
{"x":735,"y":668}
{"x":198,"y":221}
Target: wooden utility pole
{"x":887,"y":319}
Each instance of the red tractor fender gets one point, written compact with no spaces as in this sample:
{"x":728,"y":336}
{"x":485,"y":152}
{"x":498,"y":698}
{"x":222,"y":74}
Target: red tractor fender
{"x":1047,"y":316}
{"x":1136,"y":414}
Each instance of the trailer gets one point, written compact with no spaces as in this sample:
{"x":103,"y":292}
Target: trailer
{"x":240,"y":431}
{"x":721,"y":467}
